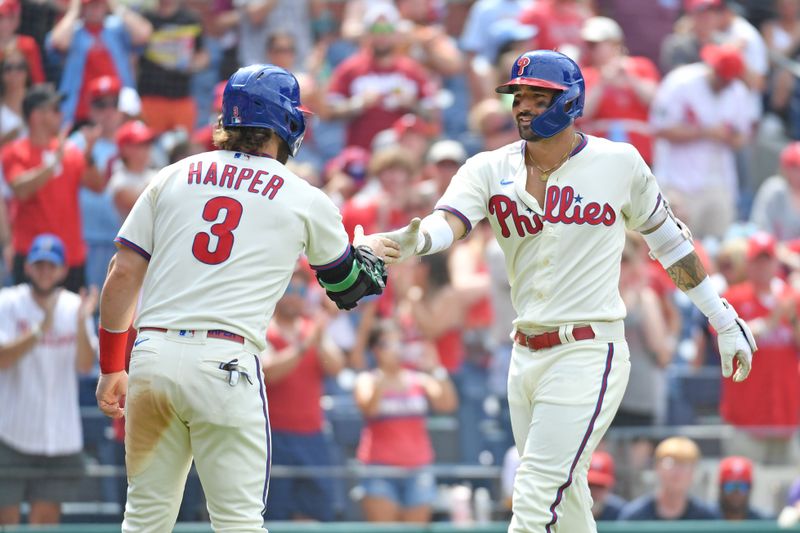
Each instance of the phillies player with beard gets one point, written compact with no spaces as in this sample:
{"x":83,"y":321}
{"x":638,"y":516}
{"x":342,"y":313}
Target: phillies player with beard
{"x":559,"y":202}
{"x":212,"y":243}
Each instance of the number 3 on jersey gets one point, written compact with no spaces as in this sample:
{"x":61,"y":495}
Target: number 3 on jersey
{"x":222,"y":230}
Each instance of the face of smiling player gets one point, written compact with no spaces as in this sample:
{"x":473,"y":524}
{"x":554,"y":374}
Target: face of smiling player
{"x":529,"y":103}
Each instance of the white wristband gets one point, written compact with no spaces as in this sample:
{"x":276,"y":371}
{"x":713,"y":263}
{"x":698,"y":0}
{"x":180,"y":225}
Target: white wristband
{"x":435,"y":235}
{"x":708,"y":301}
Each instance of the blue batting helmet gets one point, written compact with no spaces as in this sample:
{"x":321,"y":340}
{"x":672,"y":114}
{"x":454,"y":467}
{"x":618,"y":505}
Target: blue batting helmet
{"x":265,"y":96}
{"x":551,"y":70}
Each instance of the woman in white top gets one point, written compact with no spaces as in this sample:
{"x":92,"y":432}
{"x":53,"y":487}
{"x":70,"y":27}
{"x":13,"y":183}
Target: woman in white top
{"x":131,"y":172}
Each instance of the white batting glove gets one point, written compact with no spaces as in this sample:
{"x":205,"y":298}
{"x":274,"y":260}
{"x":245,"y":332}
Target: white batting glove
{"x":735,"y":341}
{"x":407,"y":238}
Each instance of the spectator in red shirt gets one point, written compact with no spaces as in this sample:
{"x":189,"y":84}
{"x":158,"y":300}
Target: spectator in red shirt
{"x":559,"y":23}
{"x":379,"y":84}
{"x":766,"y":410}
{"x":9,"y":39}
{"x":45,"y":173}
{"x":619,"y":88}
{"x":302,"y":356}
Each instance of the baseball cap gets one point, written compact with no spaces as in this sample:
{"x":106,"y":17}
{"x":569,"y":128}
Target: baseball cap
{"x":735,"y":468}
{"x":410,"y":123}
{"x":760,"y":243}
{"x":381,"y":10}
{"x":134,"y":132}
{"x":8,"y":7}
{"x":447,"y":150}
{"x":46,"y":247}
{"x":510,"y":30}
{"x":353,"y":161}
{"x":599,"y":29}
{"x":104,"y":86}
{"x":601,"y":469}
{"x":680,"y":448}
{"x":790,"y":155}
{"x":725,"y":59}
{"x":692,"y":6}
{"x":38,"y":96}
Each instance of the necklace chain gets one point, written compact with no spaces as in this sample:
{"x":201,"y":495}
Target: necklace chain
{"x":544,"y":174}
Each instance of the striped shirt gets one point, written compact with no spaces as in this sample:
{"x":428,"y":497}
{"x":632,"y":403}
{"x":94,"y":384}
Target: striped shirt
{"x":39,"y":393}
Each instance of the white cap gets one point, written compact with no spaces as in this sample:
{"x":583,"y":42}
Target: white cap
{"x":381,"y":10}
{"x":447,"y":150}
{"x":129,"y":102}
{"x":598,"y":29}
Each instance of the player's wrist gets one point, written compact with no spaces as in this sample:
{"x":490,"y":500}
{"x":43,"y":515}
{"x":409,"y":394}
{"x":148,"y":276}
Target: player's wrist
{"x":113,"y":345}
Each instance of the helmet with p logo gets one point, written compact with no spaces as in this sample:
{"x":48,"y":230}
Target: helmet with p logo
{"x":550,"y":70}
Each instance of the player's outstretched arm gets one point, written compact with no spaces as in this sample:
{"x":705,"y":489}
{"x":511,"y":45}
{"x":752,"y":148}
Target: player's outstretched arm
{"x":434,"y":233}
{"x":670,"y":242}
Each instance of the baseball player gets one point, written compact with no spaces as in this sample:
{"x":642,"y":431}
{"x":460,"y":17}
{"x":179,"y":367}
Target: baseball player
{"x":559,"y":203}
{"x":212,"y":243}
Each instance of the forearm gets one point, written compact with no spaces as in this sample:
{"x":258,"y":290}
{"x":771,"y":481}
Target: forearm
{"x":14,"y":351}
{"x":682,"y":133}
{"x":86,"y":350}
{"x":688,"y":272}
{"x":330,"y":357}
{"x":27,"y":183}
{"x":64,"y":30}
{"x":118,"y":299}
{"x":283,"y":362}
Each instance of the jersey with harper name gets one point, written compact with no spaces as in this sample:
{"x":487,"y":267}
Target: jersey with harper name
{"x":562,"y":258}
{"x":222,"y":232}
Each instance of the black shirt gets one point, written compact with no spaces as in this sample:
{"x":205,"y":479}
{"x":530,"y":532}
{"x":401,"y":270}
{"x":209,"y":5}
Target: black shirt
{"x":644,"y":508}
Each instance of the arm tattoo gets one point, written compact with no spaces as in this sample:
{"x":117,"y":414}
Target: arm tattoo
{"x":688,"y":272}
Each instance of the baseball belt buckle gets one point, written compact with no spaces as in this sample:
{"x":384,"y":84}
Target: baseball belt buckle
{"x":235,"y":372}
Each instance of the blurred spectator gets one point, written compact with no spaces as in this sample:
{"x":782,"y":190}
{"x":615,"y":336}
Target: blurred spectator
{"x":46,"y":339}
{"x":790,"y":514}
{"x":427,"y":41}
{"x":649,"y":342}
{"x":782,"y":33}
{"x":131,"y":172}
{"x":619,"y":88}
{"x":731,"y":262}
{"x":11,"y":40}
{"x":99,"y":218}
{"x":346,"y":173}
{"x":605,"y":504}
{"x":173,"y":54}
{"x":300,"y":358}
{"x":559,"y":23}
{"x":258,"y":19}
{"x":444,"y":159}
{"x":692,"y":32}
{"x":491,"y":126}
{"x":736,"y":30}
{"x":735,"y":487}
{"x":675,"y":462}
{"x":94,"y":38}
{"x":510,"y":36}
{"x":394,"y":401}
{"x":776,"y":209}
{"x":379,"y":84}
{"x":765,"y":409}
{"x":646,"y":24}
{"x":45,"y":172}
{"x":15,"y":79}
{"x":415,"y":135}
{"x":700,"y":119}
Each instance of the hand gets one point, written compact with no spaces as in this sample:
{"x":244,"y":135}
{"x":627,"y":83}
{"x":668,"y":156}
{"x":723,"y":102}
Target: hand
{"x":88,"y":302}
{"x":111,"y":388}
{"x":382,"y":246}
{"x":405,"y":240}
{"x":735,"y":341}
{"x":91,"y":132}
{"x":48,"y":306}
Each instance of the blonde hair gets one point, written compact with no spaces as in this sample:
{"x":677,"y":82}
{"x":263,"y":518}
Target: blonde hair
{"x":392,"y":156}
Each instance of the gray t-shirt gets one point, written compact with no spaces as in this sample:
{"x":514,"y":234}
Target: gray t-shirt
{"x":773,"y":209}
{"x":292,"y":16}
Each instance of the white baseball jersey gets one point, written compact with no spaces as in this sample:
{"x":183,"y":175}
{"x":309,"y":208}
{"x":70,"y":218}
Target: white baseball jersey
{"x":222,"y":232}
{"x":563,"y":258}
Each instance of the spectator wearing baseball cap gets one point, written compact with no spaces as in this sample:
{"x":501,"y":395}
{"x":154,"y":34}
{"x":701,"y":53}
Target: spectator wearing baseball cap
{"x":10,"y":39}
{"x":132,"y":171}
{"x":774,"y":210}
{"x":725,"y":61}
{"x":93,"y":42}
{"x":46,"y":332}
{"x":675,"y":462}
{"x":765,"y":411}
{"x":443,"y":161}
{"x":735,"y":488}
{"x":698,"y":28}
{"x":605,"y":504}
{"x":346,"y":174}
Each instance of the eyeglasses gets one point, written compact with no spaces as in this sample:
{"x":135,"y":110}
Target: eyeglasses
{"x":105,"y":103}
{"x":381,"y":28}
{"x":11,"y":67}
{"x":734,"y":486}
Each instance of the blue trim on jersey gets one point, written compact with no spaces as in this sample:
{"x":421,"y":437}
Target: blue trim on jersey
{"x":598,"y":407}
{"x":457,"y":213}
{"x":581,"y":145}
{"x":128,"y":244}
{"x":658,"y":203}
{"x":261,"y":390}
{"x":336,"y":262}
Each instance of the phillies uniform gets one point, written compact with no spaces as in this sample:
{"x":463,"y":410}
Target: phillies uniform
{"x":222,"y":232}
{"x":563,"y":263}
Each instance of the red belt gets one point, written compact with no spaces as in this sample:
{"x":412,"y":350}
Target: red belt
{"x":212,"y":333}
{"x":549,"y":339}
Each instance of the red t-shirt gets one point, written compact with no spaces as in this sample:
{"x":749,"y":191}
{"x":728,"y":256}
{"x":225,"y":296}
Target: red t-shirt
{"x":558,"y":24}
{"x":770,"y":396}
{"x":621,"y":103}
{"x":27,"y":45}
{"x":359,"y":75}
{"x":294,"y":400}
{"x":397,"y":435}
{"x":54,"y":207}
{"x":98,"y":63}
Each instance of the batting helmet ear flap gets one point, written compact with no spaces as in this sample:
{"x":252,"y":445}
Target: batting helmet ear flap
{"x":566,"y":107}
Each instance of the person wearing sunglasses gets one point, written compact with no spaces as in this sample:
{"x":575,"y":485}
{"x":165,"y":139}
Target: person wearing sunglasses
{"x":735,"y":487}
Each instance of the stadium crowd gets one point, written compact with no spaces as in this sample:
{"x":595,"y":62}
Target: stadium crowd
{"x":97,"y":95}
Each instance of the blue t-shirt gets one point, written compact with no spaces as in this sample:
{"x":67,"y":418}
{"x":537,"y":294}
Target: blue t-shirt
{"x":644,"y":508}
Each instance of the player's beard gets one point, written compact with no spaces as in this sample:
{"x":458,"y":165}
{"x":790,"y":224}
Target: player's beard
{"x":525,"y":131}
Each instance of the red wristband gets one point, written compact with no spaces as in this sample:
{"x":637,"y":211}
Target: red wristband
{"x":112,"y":350}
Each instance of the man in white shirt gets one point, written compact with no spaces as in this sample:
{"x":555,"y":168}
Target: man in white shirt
{"x":46,"y":338}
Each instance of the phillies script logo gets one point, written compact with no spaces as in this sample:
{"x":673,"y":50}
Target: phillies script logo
{"x":561,"y":206}
{"x":522,"y":62}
